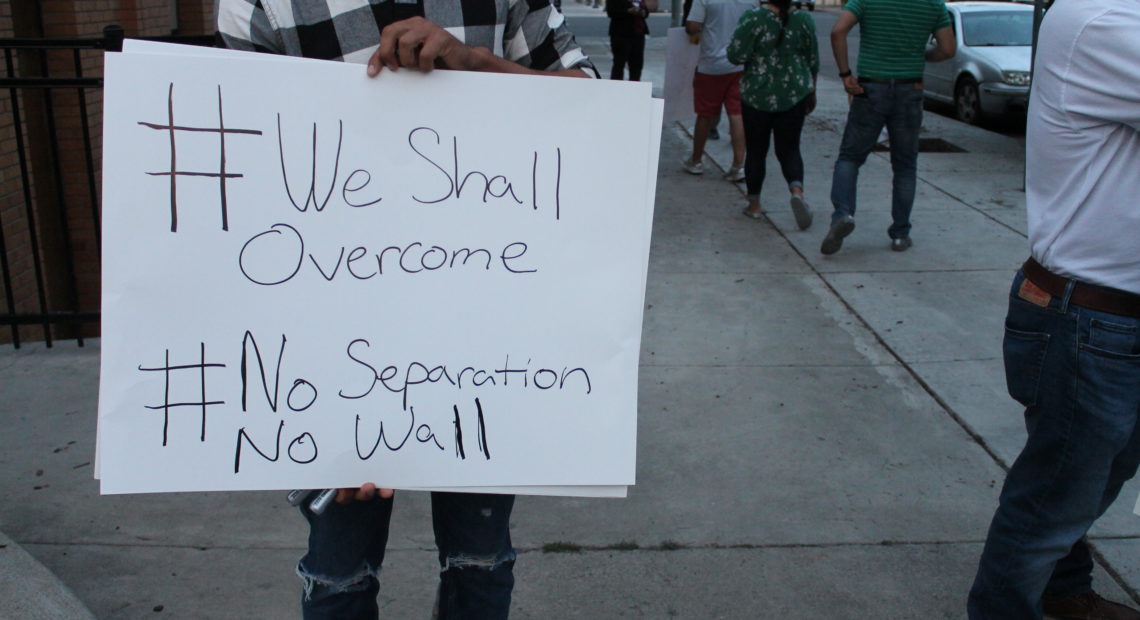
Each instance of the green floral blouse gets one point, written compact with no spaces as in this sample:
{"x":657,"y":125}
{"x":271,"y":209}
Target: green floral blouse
{"x":778,"y":73}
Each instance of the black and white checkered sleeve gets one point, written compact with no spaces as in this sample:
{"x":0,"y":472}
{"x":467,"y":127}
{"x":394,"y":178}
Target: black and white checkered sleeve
{"x":536,"y":36}
{"x":245,"y":25}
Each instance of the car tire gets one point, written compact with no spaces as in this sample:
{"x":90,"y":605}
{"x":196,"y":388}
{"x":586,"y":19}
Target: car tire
{"x":811,"y":7}
{"x":968,"y":101}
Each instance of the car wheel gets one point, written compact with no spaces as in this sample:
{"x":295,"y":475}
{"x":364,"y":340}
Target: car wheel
{"x":811,"y":7}
{"x":968,"y":101}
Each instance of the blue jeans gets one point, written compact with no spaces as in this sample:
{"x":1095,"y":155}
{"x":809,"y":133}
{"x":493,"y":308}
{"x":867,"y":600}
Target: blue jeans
{"x":346,"y":549}
{"x":899,"y":108}
{"x":1077,"y":371}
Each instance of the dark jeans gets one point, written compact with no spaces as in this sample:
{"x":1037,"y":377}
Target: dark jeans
{"x":1077,"y":371}
{"x":898,"y":107}
{"x":759,"y":127}
{"x":346,"y":549}
{"x":628,"y":50}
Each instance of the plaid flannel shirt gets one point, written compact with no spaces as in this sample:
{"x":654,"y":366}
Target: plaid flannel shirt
{"x":529,"y":32}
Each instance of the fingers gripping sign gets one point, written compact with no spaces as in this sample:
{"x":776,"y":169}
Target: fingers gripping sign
{"x":420,"y":44}
{"x":365,"y":493}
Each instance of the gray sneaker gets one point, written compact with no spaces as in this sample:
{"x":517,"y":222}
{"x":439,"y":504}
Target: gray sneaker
{"x":901,"y":244}
{"x":802,"y":211}
{"x":840,"y":228}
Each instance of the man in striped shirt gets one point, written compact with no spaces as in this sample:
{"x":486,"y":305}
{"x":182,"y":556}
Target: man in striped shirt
{"x":886,"y":91}
{"x":347,"y":540}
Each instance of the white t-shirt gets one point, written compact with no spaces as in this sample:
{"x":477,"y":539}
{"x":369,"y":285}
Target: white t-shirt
{"x":718,"y":19}
{"x":1083,"y":143}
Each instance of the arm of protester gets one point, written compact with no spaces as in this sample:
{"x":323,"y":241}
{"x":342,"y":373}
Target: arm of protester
{"x":417,"y":43}
{"x":944,"y":45}
{"x":366,"y":492}
{"x":843,"y":26}
{"x":1107,"y":85}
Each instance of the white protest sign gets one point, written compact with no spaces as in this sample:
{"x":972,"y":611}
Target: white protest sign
{"x":681,"y":58}
{"x":314,"y":279}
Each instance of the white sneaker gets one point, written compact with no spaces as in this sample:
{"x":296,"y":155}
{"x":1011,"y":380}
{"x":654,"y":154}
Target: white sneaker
{"x":735,"y":175}
{"x":801,"y":211}
{"x":693,"y":168}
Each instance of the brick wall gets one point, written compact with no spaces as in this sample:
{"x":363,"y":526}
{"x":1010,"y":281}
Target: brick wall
{"x":57,"y":149}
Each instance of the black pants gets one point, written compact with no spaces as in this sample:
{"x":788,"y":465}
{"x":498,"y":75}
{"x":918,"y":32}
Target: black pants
{"x":759,"y":127}
{"x":631,"y":50}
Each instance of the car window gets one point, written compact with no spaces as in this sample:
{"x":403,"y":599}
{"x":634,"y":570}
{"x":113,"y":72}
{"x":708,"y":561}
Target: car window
{"x":997,"y":28}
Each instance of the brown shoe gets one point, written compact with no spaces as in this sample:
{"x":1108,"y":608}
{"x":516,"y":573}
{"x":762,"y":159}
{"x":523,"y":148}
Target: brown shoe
{"x":1086,"y":606}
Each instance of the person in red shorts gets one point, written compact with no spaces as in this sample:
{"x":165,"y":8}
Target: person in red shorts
{"x":717,"y":81}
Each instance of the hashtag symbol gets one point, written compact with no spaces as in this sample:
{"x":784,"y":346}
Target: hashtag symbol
{"x":222,"y":175}
{"x":201,"y":403}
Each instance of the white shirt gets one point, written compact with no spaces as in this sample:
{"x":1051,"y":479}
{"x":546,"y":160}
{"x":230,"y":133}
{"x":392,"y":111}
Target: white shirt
{"x":1083,"y":143}
{"x":718,"y":20}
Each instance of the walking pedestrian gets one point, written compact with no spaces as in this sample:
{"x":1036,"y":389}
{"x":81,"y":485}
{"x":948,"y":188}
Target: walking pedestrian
{"x":629,"y":26}
{"x":887,"y":91}
{"x":717,"y":81}
{"x":1072,"y":335}
{"x":780,"y":55}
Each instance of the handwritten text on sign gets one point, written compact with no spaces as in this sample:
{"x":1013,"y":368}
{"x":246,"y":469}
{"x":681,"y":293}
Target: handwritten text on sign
{"x":362,"y":279}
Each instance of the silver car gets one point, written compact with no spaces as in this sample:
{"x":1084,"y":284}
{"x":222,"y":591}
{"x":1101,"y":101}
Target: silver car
{"x":989,"y":75}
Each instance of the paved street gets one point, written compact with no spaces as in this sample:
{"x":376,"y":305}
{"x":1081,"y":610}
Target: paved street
{"x":818,"y":436}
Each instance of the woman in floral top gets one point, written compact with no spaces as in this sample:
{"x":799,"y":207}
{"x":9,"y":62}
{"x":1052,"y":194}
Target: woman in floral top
{"x":780,"y":55}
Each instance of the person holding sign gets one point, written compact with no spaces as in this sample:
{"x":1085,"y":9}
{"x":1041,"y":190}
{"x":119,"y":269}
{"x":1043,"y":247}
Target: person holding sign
{"x":347,"y":540}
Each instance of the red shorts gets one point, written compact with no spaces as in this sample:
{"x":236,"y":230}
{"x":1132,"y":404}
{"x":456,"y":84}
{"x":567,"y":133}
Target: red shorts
{"x":711,"y":91}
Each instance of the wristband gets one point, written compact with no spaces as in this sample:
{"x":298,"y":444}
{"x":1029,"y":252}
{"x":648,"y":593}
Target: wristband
{"x":844,"y":74}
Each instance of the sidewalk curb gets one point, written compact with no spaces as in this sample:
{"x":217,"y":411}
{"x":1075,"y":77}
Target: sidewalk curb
{"x":30,"y":591}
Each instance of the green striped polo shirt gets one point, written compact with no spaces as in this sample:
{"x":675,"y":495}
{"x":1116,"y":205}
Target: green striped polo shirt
{"x":893,"y":35}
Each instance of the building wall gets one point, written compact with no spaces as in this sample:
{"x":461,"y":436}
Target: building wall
{"x":57,"y":148}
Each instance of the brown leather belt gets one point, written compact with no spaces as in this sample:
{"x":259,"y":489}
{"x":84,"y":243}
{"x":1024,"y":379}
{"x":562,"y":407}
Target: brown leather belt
{"x":1092,"y":296}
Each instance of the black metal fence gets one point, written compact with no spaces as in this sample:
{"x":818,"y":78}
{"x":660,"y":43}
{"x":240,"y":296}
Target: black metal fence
{"x":50,"y":224}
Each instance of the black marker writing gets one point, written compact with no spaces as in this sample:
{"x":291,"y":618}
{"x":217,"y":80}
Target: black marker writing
{"x":302,"y":449}
{"x":423,"y":432}
{"x":403,"y":378}
{"x":201,"y":403}
{"x":311,"y":197}
{"x":171,"y":128}
{"x":277,"y":255}
{"x":460,"y":453}
{"x":454,"y":179}
{"x":302,"y":394}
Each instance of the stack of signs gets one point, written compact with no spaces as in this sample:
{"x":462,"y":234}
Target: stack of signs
{"x":316,"y":279}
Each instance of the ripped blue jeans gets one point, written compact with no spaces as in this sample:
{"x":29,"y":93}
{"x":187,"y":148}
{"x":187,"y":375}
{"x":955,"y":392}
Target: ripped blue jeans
{"x":346,"y":550}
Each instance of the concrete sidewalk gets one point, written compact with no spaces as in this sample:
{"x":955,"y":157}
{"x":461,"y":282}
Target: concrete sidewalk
{"x":819,"y":437}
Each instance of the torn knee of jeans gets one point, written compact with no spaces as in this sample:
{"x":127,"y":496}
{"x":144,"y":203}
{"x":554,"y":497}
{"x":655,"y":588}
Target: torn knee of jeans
{"x":483,"y":562}
{"x":353,"y":583}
